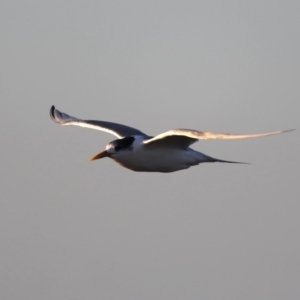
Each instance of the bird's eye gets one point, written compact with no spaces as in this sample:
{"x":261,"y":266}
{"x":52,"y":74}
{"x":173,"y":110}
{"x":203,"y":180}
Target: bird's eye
{"x":117,"y":148}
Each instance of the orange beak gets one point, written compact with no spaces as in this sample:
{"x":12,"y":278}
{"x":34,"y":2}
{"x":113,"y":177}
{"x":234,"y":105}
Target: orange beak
{"x":101,"y":155}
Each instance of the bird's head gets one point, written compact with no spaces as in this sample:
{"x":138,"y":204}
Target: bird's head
{"x":116,"y":147}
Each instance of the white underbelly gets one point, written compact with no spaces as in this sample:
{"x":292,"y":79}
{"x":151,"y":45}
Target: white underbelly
{"x":160,"y":160}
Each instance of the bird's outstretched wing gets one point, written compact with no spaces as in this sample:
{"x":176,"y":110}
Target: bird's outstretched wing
{"x":183,"y":138}
{"x":118,"y":130}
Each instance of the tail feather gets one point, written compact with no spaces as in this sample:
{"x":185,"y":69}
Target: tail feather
{"x":211,"y":159}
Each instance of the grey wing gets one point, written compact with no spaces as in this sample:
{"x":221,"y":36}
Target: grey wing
{"x":185,"y":137}
{"x":118,"y":130}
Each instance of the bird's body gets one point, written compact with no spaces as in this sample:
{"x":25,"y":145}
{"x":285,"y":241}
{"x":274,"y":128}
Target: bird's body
{"x":141,"y":158}
{"x":167,"y":152}
{"x":148,"y":158}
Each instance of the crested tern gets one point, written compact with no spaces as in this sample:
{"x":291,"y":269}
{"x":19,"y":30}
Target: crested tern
{"x":166,"y":152}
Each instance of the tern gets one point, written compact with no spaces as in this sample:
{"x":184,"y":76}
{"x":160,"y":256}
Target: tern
{"x":167,"y":152}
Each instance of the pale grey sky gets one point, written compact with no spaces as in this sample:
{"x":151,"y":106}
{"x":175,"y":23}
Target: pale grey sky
{"x":72,"y":229}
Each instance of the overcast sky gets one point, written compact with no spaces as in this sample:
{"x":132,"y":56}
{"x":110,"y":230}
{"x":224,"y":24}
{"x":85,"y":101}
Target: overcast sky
{"x":75,"y":229}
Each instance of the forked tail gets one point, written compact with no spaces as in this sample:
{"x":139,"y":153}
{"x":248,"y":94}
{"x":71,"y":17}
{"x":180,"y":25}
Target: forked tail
{"x":211,"y":159}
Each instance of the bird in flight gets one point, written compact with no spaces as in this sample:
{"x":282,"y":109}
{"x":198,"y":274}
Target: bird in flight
{"x":167,"y":152}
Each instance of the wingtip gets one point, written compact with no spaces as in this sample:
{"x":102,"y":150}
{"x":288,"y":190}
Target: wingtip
{"x":52,"y":109}
{"x":294,"y":129}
